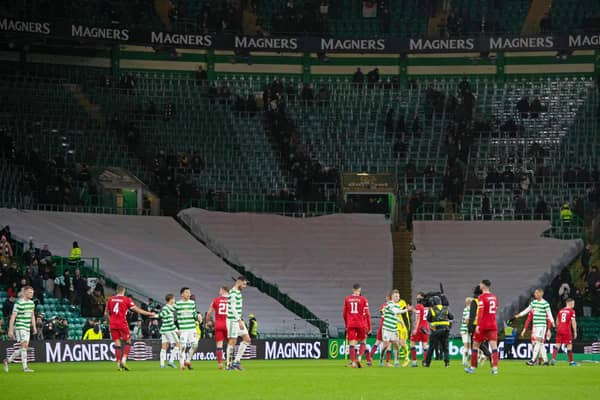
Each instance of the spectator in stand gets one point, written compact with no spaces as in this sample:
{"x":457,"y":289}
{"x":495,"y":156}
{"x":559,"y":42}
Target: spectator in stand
{"x":7,"y":306}
{"x":49,"y":329}
{"x":94,"y":332}
{"x":358,"y":77}
{"x":523,"y":107}
{"x":586,"y":256}
{"x":373,"y":76}
{"x":546,"y":23}
{"x":566,"y":215}
{"x":536,"y":108}
{"x":97,"y":304}
{"x":485,"y":208}
{"x":541,"y":209}
{"x":75,"y":255}
{"x":13,"y":290}
{"x":80,"y":285}
{"x":201,"y":75}
{"x":48,"y":277}
{"x":6,"y":251}
{"x":593,"y":278}
{"x":38,"y":288}
{"x":64,"y":284}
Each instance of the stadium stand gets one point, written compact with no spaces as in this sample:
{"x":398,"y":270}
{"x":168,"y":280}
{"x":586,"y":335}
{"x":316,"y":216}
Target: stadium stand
{"x":512,"y":254}
{"x":314,"y":260}
{"x":153,"y":256}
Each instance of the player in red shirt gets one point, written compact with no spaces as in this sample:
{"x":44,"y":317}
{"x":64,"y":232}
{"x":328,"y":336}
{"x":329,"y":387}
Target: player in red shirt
{"x":420,"y":330}
{"x":487,"y":328}
{"x":379,"y":339}
{"x":354,"y":306}
{"x":219,"y":307}
{"x":566,"y":331}
{"x":368,"y":328}
{"x":116,"y":313}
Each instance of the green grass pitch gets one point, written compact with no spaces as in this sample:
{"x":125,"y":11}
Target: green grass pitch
{"x":301,"y":379}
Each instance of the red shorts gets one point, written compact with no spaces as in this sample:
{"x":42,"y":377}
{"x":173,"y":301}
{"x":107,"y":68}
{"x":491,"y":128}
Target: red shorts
{"x":419,"y":337}
{"x":120,"y":333}
{"x":356,"y":334}
{"x":564,"y":338}
{"x":220,"y":333}
{"x":481,"y":336}
{"x":379,"y":335}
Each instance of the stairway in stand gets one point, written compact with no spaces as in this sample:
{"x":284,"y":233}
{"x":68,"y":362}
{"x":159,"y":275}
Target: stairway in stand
{"x":402,"y":275}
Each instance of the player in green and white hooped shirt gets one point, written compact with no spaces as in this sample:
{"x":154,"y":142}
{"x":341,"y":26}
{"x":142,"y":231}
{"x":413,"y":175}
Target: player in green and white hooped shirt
{"x":235,"y":324}
{"x":22,"y":320}
{"x":389,"y":332}
{"x":541,"y":315}
{"x":168,"y":331}
{"x":464,"y":331}
{"x":185,"y":310}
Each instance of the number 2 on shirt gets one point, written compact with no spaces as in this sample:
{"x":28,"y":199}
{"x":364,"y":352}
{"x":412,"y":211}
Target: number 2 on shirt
{"x":492,"y":309}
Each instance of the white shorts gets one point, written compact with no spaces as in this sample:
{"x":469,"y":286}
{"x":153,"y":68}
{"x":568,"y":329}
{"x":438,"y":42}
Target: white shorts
{"x":234,"y":331}
{"x":389,"y":336}
{"x":169,"y":337}
{"x":22,"y":335}
{"x":539,"y":332}
{"x":466,"y":338}
{"x":187,"y":338}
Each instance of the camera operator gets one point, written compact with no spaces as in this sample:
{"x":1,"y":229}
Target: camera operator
{"x":62,"y":328}
{"x":439,"y":321}
{"x":49,"y":330}
{"x":154,"y":329}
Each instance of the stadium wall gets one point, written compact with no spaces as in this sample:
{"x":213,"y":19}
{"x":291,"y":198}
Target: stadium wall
{"x":309,"y":65}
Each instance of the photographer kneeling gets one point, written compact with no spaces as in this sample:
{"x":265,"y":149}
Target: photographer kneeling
{"x":439,"y":321}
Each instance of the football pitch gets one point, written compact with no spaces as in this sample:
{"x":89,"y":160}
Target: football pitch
{"x":297,"y":379}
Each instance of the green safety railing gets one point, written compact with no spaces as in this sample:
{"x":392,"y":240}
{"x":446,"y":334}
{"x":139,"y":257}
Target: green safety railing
{"x":265,"y":205}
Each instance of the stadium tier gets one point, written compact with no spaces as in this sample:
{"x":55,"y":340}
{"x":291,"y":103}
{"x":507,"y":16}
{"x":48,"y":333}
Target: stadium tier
{"x":513,"y":253}
{"x":313,"y":260}
{"x":153,"y":256}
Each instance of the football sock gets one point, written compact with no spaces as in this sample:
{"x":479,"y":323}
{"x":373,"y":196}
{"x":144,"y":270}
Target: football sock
{"x":495,"y":358}
{"x":388,"y":355}
{"x":126,"y":349}
{"x":406,"y":352}
{"x":570,"y":355}
{"x":474,"y":355}
{"x":425,"y":351}
{"x":368,"y":353}
{"x":229,"y":355}
{"x":413,"y":353}
{"x":192,"y":351}
{"x":24,"y":358}
{"x":163,"y":357}
{"x":543,"y":351}
{"x":14,"y":355}
{"x":373,"y":350}
{"x":361,"y":350}
{"x":241,"y":351}
{"x":174,"y":354}
{"x":219,"y":355}
{"x":352,"y":353}
{"x":554,"y":353}
{"x":118,"y":354}
{"x":536,"y":350}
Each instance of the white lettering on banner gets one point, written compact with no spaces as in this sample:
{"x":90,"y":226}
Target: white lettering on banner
{"x":454,"y":349}
{"x":99,"y":33}
{"x":290,"y":350}
{"x":25,"y":26}
{"x":266,"y":43}
{"x":584,"y":40}
{"x":64,"y":351}
{"x":441,"y":44}
{"x":353,"y":44}
{"x":179,"y":39}
{"x":521,"y":43}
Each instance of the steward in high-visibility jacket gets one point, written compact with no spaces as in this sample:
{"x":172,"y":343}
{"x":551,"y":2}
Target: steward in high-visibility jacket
{"x":439,"y":318}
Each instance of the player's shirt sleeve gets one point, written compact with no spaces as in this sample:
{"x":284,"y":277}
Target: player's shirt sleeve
{"x":345,"y":311}
{"x":528,"y":320}
{"x":367,"y":314}
{"x":525,"y":311}
{"x":549,"y":314}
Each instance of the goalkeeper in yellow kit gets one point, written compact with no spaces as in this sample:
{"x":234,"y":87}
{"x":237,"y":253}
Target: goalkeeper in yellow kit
{"x":403,"y":329}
